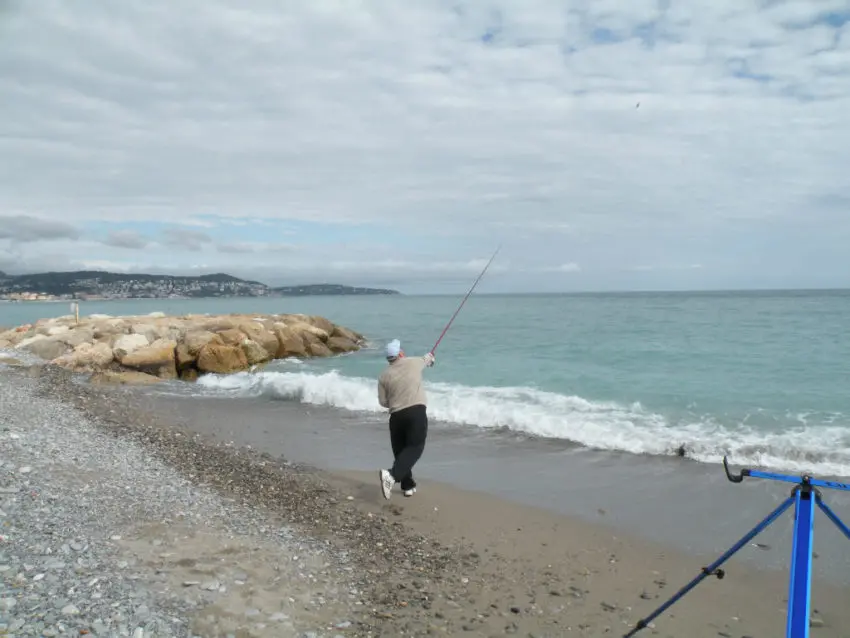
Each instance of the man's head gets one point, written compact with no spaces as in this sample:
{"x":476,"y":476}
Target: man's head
{"x":394,"y":350}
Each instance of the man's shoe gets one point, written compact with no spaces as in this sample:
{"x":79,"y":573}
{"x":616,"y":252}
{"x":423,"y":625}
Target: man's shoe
{"x":387,"y":482}
{"x":410,"y":492}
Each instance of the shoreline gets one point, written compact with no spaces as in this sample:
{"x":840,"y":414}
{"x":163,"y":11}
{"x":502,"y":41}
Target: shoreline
{"x":458,"y":562}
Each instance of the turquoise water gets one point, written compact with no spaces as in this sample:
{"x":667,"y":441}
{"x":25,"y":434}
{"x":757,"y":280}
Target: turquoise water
{"x":762,"y":376}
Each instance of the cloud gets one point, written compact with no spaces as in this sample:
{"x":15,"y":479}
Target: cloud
{"x":126,"y":239}
{"x":185,"y":239}
{"x":568,"y":267}
{"x":26,"y":228}
{"x":393,"y":137}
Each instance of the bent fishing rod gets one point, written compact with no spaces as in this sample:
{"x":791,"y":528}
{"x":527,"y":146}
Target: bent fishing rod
{"x":475,"y":283}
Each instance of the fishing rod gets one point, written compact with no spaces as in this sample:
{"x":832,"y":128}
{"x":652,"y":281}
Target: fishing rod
{"x":448,"y":325}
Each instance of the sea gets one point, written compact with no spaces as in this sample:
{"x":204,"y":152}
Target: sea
{"x":759,"y":376}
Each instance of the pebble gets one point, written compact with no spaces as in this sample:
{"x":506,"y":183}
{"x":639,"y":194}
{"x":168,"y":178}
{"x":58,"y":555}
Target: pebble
{"x":74,"y":488}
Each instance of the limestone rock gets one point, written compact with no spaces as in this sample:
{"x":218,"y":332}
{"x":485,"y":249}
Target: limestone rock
{"x":183,"y":346}
{"x":221,"y":359}
{"x":232,"y":336}
{"x":254,"y":352}
{"x":28,"y":341}
{"x":157,"y":359}
{"x":183,"y":358}
{"x":318,"y":349}
{"x":149,"y":330}
{"x":45,"y":347}
{"x":86,"y":356}
{"x":127,"y":344}
{"x":96,"y":355}
{"x":127,"y":377}
{"x":321,"y":323}
{"x":107,"y":329}
{"x":341,"y":344}
{"x":291,"y":343}
{"x":77,"y":337}
{"x":309,"y":329}
{"x":194,"y":340}
{"x":345,"y":333}
{"x":259,"y":332}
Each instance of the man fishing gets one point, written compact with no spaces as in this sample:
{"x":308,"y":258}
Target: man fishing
{"x":400,"y":391}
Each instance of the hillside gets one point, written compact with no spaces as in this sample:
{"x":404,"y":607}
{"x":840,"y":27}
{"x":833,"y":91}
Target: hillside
{"x":329,"y":289}
{"x":84,"y":284}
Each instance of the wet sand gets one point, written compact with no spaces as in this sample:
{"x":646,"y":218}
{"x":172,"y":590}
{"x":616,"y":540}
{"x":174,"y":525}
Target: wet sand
{"x":472,"y":561}
{"x":689,"y":506}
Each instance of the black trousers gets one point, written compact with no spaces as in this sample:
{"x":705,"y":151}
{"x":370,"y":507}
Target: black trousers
{"x":408,"y":431}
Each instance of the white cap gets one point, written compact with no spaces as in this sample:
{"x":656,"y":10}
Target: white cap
{"x":393,"y":349}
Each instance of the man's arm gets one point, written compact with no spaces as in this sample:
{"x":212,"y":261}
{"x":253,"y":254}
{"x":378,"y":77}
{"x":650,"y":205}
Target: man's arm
{"x":382,"y":394}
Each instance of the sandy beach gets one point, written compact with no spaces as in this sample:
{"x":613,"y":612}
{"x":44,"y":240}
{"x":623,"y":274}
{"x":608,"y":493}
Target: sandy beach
{"x":259,"y":546}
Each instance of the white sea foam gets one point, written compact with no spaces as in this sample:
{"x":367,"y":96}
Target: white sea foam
{"x":599,"y":425}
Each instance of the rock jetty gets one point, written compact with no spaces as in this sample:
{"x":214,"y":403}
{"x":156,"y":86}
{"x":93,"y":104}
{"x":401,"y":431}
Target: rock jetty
{"x":150,"y":348}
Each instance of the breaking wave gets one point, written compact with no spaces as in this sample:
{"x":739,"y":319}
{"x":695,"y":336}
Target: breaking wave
{"x":593,"y":424}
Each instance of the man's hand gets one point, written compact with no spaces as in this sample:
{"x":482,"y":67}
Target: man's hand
{"x":429,"y":359}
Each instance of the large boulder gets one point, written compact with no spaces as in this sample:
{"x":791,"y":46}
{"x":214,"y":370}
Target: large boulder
{"x":254,"y":352}
{"x":183,"y":357}
{"x":216,"y":324}
{"x":25,"y":342}
{"x":107,"y":329}
{"x":86,"y":356}
{"x":78,"y":337}
{"x":232,"y":336}
{"x":341,"y":344}
{"x":308,"y":328}
{"x":258,"y":332}
{"x":150,"y":331}
{"x":128,"y":344}
{"x":45,"y":347}
{"x":345,"y":333}
{"x":157,"y":359}
{"x":321,"y":323}
{"x":318,"y":349}
{"x":291,"y":343}
{"x":221,"y":359}
{"x":194,"y":340}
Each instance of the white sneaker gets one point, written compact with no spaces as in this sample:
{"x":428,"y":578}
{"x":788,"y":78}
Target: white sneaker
{"x":410,"y":492}
{"x":387,"y":482}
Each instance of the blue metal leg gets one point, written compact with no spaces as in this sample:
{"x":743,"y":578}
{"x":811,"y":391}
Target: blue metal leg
{"x":799,"y":594}
{"x":834,"y":518}
{"x":708,"y":571}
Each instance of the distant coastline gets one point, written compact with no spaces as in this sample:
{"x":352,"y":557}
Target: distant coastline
{"x":94,"y":285}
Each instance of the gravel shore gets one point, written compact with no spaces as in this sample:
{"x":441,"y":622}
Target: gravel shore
{"x":99,"y":536}
{"x":116,"y":525}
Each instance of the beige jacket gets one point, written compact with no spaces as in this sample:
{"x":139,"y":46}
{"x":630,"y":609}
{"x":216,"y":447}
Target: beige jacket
{"x":400,"y":384}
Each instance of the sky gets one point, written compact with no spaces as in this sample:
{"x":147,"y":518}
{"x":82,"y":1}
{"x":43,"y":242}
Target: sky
{"x":604,"y":145}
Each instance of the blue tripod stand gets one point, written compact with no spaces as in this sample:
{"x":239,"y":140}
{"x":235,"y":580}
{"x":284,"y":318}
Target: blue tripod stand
{"x":804,"y":496}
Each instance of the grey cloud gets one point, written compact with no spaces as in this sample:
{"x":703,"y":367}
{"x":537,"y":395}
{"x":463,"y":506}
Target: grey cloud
{"x":236,"y":248}
{"x":186,"y":239}
{"x":126,"y":239}
{"x":26,"y":228}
